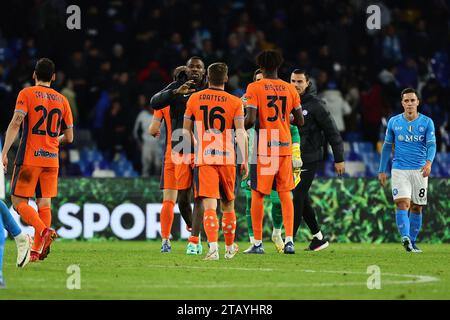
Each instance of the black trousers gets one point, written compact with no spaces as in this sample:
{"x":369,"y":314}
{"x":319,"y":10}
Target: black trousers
{"x":302,"y":201}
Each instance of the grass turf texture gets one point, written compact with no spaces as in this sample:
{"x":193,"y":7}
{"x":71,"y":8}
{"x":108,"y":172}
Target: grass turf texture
{"x":137,"y":270}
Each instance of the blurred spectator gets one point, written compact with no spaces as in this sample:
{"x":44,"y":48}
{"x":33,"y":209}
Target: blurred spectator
{"x":115,"y":129}
{"x":148,"y":145}
{"x":336,"y":104}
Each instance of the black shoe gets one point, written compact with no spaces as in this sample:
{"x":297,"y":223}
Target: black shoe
{"x":289,"y":248}
{"x":317,"y":245}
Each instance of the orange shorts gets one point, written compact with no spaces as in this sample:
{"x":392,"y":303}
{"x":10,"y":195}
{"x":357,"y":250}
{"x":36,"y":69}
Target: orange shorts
{"x":215,"y":182}
{"x":168,"y":180}
{"x":29,"y":180}
{"x":183,"y":172}
{"x":272,"y":173}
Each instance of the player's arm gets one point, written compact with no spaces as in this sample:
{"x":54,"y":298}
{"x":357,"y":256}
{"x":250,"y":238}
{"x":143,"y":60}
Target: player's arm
{"x":163,"y":98}
{"x":242,"y":144}
{"x":66,"y":137}
{"x":66,"y":124}
{"x":298,"y":116}
{"x":386,"y":153}
{"x":11,"y":134}
{"x":188,"y":135}
{"x":155,"y":126}
{"x":188,"y":126}
{"x":250,"y":117}
{"x":431,"y":149}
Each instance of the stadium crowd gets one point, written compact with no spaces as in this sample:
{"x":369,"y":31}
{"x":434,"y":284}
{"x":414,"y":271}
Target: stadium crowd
{"x":126,"y":51}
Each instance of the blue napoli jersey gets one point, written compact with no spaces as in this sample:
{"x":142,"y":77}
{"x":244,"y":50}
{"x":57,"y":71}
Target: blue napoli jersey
{"x":410,"y":140}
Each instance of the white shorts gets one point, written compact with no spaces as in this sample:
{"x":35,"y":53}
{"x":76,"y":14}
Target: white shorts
{"x":409,"y":184}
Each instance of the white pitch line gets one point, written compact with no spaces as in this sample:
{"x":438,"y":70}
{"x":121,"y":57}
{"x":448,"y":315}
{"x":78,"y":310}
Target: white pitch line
{"x":415,"y":279}
{"x":211,"y":268}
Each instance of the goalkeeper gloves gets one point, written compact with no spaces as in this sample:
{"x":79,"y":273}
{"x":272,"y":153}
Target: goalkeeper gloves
{"x":296,"y":156}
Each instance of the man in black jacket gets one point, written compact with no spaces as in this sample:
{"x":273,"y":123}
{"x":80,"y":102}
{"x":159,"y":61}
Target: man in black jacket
{"x":175,"y":95}
{"x":319,"y":127}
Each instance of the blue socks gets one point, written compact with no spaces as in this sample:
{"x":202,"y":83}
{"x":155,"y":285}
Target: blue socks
{"x":415,"y":225}
{"x":402,"y":220}
{"x":8,"y":221}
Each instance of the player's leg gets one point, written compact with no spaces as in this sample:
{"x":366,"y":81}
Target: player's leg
{"x":401,"y":191}
{"x":415,"y":220}
{"x":248,"y":217}
{"x":277,"y":221}
{"x":23,"y":186}
{"x":166,"y":217}
{"x":194,"y":246}
{"x":227,"y":182}
{"x":418,"y":200}
{"x":206,"y":188}
{"x":47,"y":188}
{"x":285,"y":183}
{"x":23,"y":241}
{"x":229,"y":228}
{"x":197,"y":222}
{"x":303,"y":208}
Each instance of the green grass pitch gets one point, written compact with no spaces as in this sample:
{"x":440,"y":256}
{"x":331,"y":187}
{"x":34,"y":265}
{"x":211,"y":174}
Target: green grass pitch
{"x":137,"y":270}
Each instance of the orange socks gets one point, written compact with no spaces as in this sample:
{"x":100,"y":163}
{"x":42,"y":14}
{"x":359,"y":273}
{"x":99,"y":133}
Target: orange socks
{"x":257,"y":212}
{"x":287,"y":210}
{"x":166,"y":218}
{"x":30,"y":216}
{"x":194,"y":239}
{"x":229,"y":227}
{"x":45,"y":214}
{"x":211,"y":225}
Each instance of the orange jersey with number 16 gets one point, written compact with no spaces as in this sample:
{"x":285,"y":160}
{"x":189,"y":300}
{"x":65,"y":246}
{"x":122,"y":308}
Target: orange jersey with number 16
{"x":47,"y":112}
{"x":214,"y":112}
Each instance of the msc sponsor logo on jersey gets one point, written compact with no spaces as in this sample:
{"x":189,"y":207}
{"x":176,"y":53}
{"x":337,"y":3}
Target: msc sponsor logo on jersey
{"x":411,"y":138}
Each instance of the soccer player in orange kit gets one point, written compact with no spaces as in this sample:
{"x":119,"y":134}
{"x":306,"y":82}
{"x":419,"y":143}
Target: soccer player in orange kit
{"x":270,"y":101}
{"x":43,"y":113}
{"x":216,"y":113}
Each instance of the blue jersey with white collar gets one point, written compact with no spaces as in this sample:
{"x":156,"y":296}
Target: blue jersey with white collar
{"x":410,"y":139}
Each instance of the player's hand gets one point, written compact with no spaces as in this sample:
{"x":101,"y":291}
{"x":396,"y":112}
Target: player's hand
{"x":340,"y":168}
{"x":244,"y":171}
{"x":382,"y":177}
{"x":297,"y":163}
{"x":157,"y":134}
{"x":187,"y":87}
{"x":426,"y":169}
{"x":5,"y":162}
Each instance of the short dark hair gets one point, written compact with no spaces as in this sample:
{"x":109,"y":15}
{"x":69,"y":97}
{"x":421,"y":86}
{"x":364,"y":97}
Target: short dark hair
{"x":269,"y":60}
{"x":301,"y":71}
{"x":194,"y":58}
{"x":217,"y":73}
{"x":257,"y":71}
{"x":409,"y":90}
{"x":45,"y":68}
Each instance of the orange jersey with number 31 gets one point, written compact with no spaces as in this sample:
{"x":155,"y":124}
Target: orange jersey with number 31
{"x":274,"y":99}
